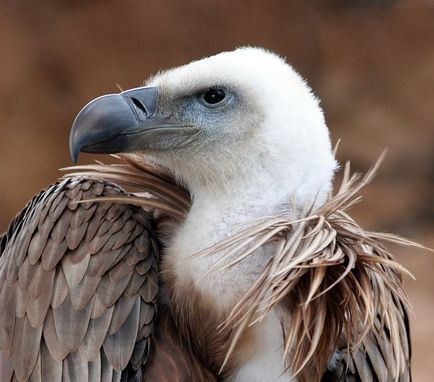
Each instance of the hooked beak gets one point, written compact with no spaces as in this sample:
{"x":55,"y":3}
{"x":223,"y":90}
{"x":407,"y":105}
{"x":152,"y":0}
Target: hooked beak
{"x":123,"y":122}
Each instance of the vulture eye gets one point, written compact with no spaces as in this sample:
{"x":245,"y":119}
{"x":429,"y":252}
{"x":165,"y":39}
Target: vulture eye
{"x":214,"y":95}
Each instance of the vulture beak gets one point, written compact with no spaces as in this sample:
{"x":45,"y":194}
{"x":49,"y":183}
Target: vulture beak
{"x":123,"y":122}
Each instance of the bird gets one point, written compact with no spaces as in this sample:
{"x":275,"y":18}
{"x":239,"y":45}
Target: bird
{"x":216,"y":250}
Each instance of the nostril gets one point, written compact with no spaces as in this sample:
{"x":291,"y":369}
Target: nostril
{"x":139,"y":105}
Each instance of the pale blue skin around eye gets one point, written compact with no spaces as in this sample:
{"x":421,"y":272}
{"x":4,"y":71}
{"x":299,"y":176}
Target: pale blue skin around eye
{"x":211,"y":119}
{"x":214,"y":123}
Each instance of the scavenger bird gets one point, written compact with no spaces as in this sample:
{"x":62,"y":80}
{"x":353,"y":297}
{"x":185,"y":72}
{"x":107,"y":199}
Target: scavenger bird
{"x":214,"y":251}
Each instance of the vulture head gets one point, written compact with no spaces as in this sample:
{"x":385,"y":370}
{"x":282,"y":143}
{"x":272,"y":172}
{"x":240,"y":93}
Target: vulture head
{"x":240,"y":120}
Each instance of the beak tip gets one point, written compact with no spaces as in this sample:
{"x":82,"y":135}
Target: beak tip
{"x":74,"y":157}
{"x":74,"y":148}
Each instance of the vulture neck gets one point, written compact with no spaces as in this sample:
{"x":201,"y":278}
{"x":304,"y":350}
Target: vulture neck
{"x":217,"y":214}
{"x":213,"y":217}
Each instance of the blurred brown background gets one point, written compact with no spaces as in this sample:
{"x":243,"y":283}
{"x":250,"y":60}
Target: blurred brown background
{"x":371,"y":63}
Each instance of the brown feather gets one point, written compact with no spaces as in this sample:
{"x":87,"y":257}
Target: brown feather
{"x":7,"y":316}
{"x":36,"y":375}
{"x":119,"y":346}
{"x":122,"y":309}
{"x":48,"y":331}
{"x":162,"y":366}
{"x":60,"y":289}
{"x":25,"y":348}
{"x":95,"y":335}
{"x":83,"y":292}
{"x":6,"y":368}
{"x":51,"y":369}
{"x":70,"y":324}
{"x":50,"y":337}
{"x":74,"y":271}
{"x":75,"y":368}
{"x":95,"y":369}
{"x":38,"y":306}
{"x":53,"y":252}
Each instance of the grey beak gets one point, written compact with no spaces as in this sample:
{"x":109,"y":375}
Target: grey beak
{"x":123,"y":122}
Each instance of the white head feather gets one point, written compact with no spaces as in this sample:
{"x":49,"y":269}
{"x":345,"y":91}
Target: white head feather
{"x":276,"y":143}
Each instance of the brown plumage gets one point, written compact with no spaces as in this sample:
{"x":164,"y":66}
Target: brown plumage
{"x":171,"y":360}
{"x":79,"y":283}
{"x":78,"y":287}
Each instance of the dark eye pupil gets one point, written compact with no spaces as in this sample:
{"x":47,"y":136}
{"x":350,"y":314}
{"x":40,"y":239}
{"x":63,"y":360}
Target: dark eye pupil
{"x":213,"y":96}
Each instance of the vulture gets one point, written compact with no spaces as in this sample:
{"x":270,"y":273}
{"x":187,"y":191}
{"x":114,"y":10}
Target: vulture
{"x":212,"y":248}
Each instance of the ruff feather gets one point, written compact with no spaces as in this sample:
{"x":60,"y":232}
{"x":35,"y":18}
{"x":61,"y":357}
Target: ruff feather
{"x":337,"y":280}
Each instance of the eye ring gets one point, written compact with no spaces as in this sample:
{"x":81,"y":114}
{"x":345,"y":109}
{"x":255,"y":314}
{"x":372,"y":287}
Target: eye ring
{"x":213,"y":96}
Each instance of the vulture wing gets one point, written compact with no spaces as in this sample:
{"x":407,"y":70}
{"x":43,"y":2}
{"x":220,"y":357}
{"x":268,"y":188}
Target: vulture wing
{"x":375,"y":360}
{"x":78,"y":291}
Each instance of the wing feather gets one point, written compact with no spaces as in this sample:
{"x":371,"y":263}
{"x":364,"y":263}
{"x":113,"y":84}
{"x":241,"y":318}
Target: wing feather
{"x":52,"y":253}
{"x":60,"y":290}
{"x":95,"y":335}
{"x":25,"y":347}
{"x":7,"y":317}
{"x":121,"y":311}
{"x":50,"y":337}
{"x":375,"y":360}
{"x":75,"y":368}
{"x":106,"y":369}
{"x":74,"y":268}
{"x":36,"y":375}
{"x":74,"y":236}
{"x":51,"y":368}
{"x":95,"y":368}
{"x":6,"y":368}
{"x":70,"y":324}
{"x":120,"y":345}
{"x":72,"y":277}
{"x":38,"y":305}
